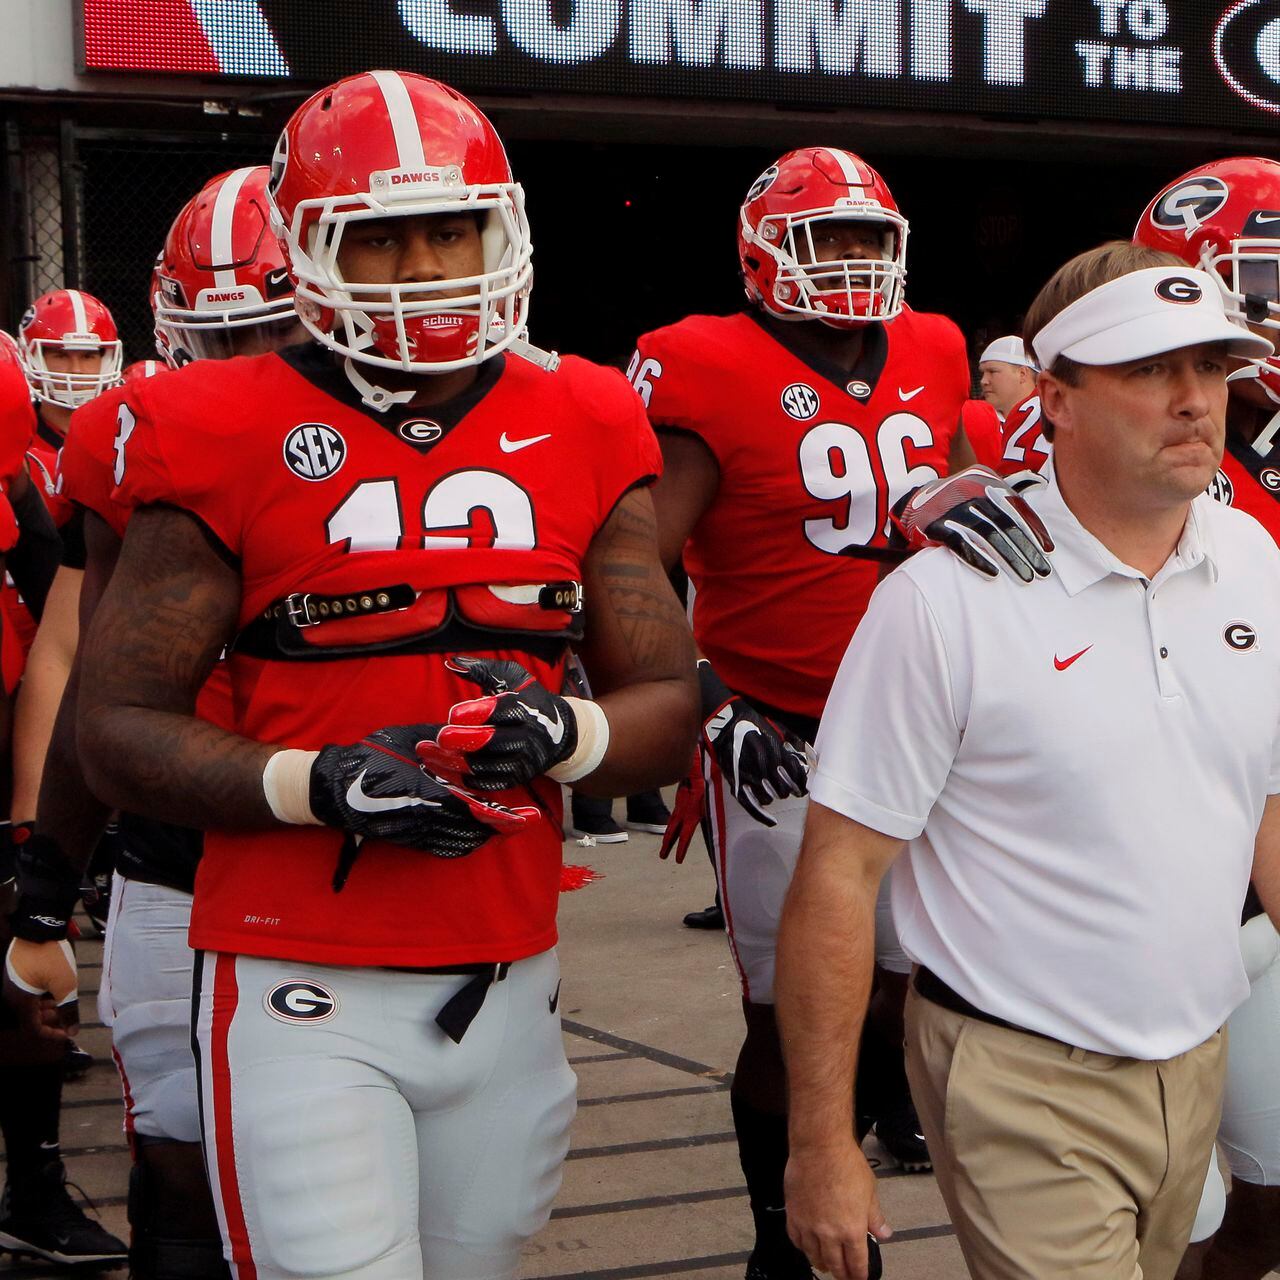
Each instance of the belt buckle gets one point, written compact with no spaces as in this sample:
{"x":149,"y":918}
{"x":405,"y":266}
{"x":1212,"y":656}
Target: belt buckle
{"x":297,"y":608}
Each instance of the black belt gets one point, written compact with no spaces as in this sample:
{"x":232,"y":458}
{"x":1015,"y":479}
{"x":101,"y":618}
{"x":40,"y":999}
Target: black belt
{"x":932,"y":988}
{"x":460,"y":1010}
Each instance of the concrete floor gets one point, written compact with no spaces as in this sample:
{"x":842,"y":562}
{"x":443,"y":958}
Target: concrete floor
{"x":652,"y":1024}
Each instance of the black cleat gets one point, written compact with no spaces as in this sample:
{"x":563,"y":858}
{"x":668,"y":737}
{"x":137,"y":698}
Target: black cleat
{"x":711,"y":917}
{"x":600,"y":827}
{"x":76,"y":1063}
{"x":39,"y":1218}
{"x":646,"y":812}
{"x":760,"y":1268}
{"x":899,"y":1134}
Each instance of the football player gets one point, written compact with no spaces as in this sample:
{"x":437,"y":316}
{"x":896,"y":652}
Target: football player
{"x":1224,"y":218}
{"x":396,"y":530}
{"x":221,"y":287}
{"x":790,"y":432}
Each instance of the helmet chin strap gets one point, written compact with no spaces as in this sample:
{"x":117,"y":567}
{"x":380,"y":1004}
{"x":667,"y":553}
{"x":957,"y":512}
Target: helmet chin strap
{"x":377,"y":398}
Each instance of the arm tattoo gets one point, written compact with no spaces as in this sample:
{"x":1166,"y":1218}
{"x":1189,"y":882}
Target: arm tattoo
{"x":639,"y":601}
{"x":171,"y":606}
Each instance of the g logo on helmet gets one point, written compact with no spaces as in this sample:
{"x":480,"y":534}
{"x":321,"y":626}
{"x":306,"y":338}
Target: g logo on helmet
{"x":1190,"y":203}
{"x":279,"y":162}
{"x":1179,"y":289}
{"x":1239,"y":636}
{"x":762,"y":183}
{"x":297,"y":1000}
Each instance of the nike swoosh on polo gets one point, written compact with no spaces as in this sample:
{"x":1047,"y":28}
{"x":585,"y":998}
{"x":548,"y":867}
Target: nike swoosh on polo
{"x":1063,"y":663}
{"x":507,"y":445}
{"x":554,"y":728}
{"x":740,"y":735}
{"x":904,"y":396}
{"x":362,"y":802}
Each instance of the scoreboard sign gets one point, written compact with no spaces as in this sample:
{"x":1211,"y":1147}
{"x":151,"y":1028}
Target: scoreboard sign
{"x":1204,"y":63}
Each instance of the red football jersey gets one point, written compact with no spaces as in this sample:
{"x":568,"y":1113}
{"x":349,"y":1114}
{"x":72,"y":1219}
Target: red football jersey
{"x":309,"y":492}
{"x":811,"y":461}
{"x":13,"y":654}
{"x":91,"y":462}
{"x":42,"y":463}
{"x":1025,"y":448}
{"x":1250,"y":483}
{"x":17,"y":427}
{"x":982,"y":429}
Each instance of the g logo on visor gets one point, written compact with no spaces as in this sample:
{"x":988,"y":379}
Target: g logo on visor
{"x":1179,"y":289}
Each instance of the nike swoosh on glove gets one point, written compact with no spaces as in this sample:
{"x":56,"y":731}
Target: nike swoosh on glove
{"x":982,"y":518}
{"x":376,"y":789}
{"x":761,"y":761}
{"x":516,"y":732}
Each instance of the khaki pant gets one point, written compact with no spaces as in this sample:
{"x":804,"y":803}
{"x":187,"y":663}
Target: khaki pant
{"x":1057,"y":1162}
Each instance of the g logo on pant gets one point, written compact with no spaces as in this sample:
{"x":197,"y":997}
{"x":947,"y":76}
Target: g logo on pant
{"x":300,"y":1001}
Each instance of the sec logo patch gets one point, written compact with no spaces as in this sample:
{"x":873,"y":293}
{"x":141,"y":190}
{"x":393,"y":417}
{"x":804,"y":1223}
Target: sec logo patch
{"x":800,"y":401}
{"x":1221,"y":489}
{"x":300,"y":1001}
{"x":314,"y":451}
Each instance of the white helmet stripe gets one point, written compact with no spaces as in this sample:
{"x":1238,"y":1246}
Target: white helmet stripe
{"x":848,"y":167}
{"x":77,"y":310}
{"x":222,"y":246}
{"x":404,"y":124}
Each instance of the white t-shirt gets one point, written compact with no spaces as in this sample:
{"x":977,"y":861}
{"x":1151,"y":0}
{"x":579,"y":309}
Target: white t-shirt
{"x":1080,"y":767}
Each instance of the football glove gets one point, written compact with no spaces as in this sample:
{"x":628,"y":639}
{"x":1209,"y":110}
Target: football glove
{"x":982,"y":518}
{"x":686,"y":812}
{"x":516,"y":732}
{"x":761,"y":761}
{"x":48,"y":890}
{"x":376,"y":789}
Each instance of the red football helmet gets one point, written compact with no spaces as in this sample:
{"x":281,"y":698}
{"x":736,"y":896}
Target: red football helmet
{"x":782,"y":269}
{"x":221,"y":285}
{"x":1224,"y":217}
{"x":390,"y":144}
{"x":68,"y":320}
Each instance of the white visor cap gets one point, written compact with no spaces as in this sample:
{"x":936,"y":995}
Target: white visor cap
{"x":1145,"y":313}
{"x":1008,"y":350}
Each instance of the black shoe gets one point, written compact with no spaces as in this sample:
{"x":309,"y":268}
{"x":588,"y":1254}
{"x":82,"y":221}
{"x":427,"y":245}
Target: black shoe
{"x":899,"y":1134}
{"x":760,"y":1268}
{"x":599,"y":826}
{"x":76,"y":1063}
{"x":646,"y":812}
{"x":40,"y":1218}
{"x":711,"y":917}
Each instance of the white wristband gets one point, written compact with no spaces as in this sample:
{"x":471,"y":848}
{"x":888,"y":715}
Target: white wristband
{"x":593,"y":742}
{"x":286,"y":782}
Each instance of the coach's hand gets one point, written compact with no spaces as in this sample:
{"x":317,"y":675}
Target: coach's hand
{"x":982,"y":518}
{"x":376,"y":788}
{"x":761,"y":761}
{"x":41,"y":988}
{"x":832,"y":1206}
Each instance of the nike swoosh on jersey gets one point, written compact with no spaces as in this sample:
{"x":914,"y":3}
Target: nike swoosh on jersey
{"x":1063,"y":663}
{"x":740,"y":735}
{"x":904,"y":396}
{"x":507,"y":445}
{"x":362,"y":802}
{"x":554,"y":728}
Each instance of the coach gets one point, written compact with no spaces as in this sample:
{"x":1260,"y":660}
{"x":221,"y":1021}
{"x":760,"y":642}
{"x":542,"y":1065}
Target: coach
{"x":1086,"y":773}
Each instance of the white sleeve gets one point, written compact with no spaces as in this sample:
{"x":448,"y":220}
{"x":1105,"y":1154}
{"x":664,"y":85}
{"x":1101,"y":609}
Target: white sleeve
{"x":890,"y":731}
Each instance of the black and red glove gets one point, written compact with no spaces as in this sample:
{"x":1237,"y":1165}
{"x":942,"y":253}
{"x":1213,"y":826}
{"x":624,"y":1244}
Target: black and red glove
{"x":981,"y":517}
{"x":376,"y":789}
{"x":517,"y":731}
{"x":686,"y":812}
{"x":761,"y":761}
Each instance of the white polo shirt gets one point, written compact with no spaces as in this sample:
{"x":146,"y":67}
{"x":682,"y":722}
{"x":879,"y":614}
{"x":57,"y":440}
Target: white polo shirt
{"x":1080,"y":767}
